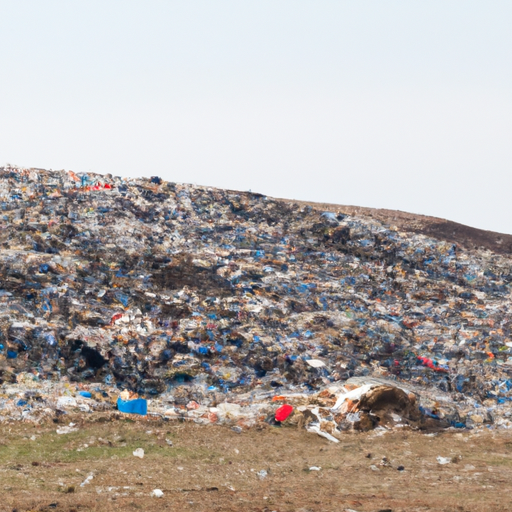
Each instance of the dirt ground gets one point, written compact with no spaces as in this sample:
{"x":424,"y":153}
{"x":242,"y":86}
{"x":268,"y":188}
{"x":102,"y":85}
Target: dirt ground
{"x":213,"y":468}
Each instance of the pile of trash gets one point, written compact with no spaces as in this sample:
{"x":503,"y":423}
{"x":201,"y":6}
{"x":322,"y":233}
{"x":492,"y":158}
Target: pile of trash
{"x":210,"y":303}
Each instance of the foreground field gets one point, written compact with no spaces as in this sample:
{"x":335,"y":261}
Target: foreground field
{"x":215,"y":468}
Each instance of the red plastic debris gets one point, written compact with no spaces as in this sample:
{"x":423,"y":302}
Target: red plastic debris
{"x":433,"y":365}
{"x":283,"y":412}
{"x":117,"y":316}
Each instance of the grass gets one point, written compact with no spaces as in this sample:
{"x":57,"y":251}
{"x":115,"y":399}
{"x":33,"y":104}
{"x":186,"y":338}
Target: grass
{"x":213,"y":468}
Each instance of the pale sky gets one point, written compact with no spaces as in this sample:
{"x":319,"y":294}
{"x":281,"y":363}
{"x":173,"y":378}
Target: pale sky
{"x":393,"y":104}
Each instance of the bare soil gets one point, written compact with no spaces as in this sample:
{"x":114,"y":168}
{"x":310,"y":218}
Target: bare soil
{"x":214,"y":468}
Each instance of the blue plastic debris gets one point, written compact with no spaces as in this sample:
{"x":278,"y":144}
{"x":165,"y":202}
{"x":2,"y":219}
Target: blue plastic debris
{"x":137,"y":406}
{"x":429,"y":413}
{"x":50,"y":338}
{"x":123,"y":298}
{"x":85,"y":394}
{"x":11,"y":354}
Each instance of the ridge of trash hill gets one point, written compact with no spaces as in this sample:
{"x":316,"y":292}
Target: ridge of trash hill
{"x":220,"y":305}
{"x":435,"y":227}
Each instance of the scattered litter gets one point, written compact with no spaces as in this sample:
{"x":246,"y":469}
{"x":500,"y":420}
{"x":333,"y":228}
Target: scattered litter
{"x":67,"y":429}
{"x":87,"y":481}
{"x":316,"y":429}
{"x":139,"y":452}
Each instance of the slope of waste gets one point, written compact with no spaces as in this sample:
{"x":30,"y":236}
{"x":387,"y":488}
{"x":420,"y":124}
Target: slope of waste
{"x":434,"y":227}
{"x":218,"y":305}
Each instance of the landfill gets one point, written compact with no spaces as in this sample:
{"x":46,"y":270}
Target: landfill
{"x":220,"y":306}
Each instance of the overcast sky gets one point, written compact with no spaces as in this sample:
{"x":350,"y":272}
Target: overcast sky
{"x":394,"y":104}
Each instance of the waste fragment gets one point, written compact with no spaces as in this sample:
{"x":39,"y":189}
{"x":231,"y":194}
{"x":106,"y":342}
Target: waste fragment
{"x":283,"y":412}
{"x":137,"y":406}
{"x":139,"y":452}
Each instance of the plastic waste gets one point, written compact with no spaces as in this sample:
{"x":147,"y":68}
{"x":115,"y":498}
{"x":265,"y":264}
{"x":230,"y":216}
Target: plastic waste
{"x":67,"y":429}
{"x":139,"y":452}
{"x":211,"y":302}
{"x":137,"y":406}
{"x":315,"y":363}
{"x":88,"y":480}
{"x":64,"y":402}
{"x":283,"y":412}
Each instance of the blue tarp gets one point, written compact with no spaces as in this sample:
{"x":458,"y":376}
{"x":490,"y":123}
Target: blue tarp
{"x":138,"y":406}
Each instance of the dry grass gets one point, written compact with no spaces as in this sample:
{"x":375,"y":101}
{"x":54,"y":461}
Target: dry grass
{"x":214,"y":468}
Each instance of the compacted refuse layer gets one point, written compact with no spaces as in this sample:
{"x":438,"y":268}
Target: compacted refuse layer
{"x":218,"y":305}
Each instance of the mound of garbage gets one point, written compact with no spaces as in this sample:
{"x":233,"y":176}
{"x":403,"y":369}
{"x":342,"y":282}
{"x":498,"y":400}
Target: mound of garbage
{"x":195,"y":297}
